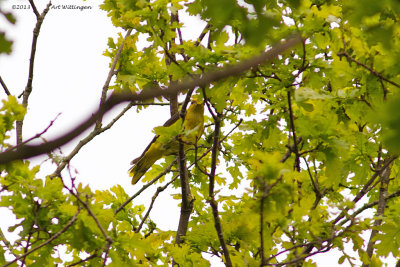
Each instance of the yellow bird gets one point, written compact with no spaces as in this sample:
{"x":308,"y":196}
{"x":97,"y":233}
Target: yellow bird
{"x":193,"y":127}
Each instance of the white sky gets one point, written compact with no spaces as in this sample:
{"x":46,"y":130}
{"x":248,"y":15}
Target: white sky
{"x":70,"y":72}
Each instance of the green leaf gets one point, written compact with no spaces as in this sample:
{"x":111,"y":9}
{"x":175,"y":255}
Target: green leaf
{"x":5,"y":45}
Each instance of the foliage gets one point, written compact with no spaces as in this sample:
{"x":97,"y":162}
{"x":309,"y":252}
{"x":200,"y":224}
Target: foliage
{"x":5,"y":45}
{"x":315,"y":133}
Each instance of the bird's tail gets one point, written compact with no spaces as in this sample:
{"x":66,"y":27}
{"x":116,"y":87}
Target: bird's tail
{"x":143,"y":164}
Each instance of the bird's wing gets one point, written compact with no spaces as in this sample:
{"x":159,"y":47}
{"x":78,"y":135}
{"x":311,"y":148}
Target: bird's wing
{"x":194,"y":123}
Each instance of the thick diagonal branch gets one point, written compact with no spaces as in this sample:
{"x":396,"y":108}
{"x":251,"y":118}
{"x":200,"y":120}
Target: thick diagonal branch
{"x":98,"y":129}
{"x":28,"y":151}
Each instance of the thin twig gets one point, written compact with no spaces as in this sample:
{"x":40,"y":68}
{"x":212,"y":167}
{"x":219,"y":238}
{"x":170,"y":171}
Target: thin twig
{"x":144,"y":187}
{"x":86,"y":205}
{"x":202,"y":35}
{"x":266,"y":190}
{"x":290,"y":150}
{"x":314,"y":183}
{"x":36,"y":135}
{"x":173,"y":60}
{"x":7,"y":243}
{"x":300,"y":258}
{"x":366,"y":188}
{"x":262,"y":200}
{"x":154,"y":104}
{"x":83,"y":260}
{"x":169,"y":168}
{"x":214,"y":155}
{"x":211,"y":195}
{"x":153,"y":199}
{"x":182,"y":52}
{"x":34,"y":9}
{"x":303,"y":67}
{"x":4,"y":86}
{"x":288,"y":250}
{"x":89,"y":210}
{"x":383,"y":190}
{"x":87,"y":139}
{"x":55,"y":236}
{"x":295,"y":145}
{"x":371,"y":70}
{"x":28,"y":88}
{"x":106,"y":252}
{"x":111,"y":73}
{"x":368,"y":206}
{"x":317,"y":243}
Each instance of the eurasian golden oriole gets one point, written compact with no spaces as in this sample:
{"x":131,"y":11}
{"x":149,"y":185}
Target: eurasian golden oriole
{"x":192,"y":129}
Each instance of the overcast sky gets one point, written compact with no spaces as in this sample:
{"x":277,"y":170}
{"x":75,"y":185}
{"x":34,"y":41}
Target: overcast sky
{"x":70,"y":72}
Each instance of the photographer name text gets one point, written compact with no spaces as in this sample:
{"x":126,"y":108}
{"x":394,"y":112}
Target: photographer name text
{"x":59,"y":7}
{"x":55,"y":7}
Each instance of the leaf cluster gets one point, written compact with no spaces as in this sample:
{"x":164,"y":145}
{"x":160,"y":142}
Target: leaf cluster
{"x":290,"y":150}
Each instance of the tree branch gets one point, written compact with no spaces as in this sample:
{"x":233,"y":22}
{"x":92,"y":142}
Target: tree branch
{"x":211,"y":195}
{"x":168,"y":169}
{"x":290,"y":150}
{"x":34,"y":9}
{"x":65,"y":228}
{"x":83,"y":260}
{"x":363,"y":191}
{"x":7,"y":243}
{"x":144,"y":187}
{"x":36,"y":135}
{"x":366,"y":187}
{"x":106,"y":251}
{"x":86,"y":140}
{"x":187,"y":198}
{"x":265,"y":192}
{"x":295,"y":145}
{"x":383,"y":191}
{"x":368,"y":206}
{"x":315,"y":184}
{"x":28,"y":88}
{"x":85,"y":204}
{"x":153,"y":199}
{"x":111,"y":73}
{"x":262,"y":250}
{"x":28,"y":151}
{"x":371,"y":70}
{"x":202,"y":35}
{"x":98,"y":129}
{"x":4,"y":86}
